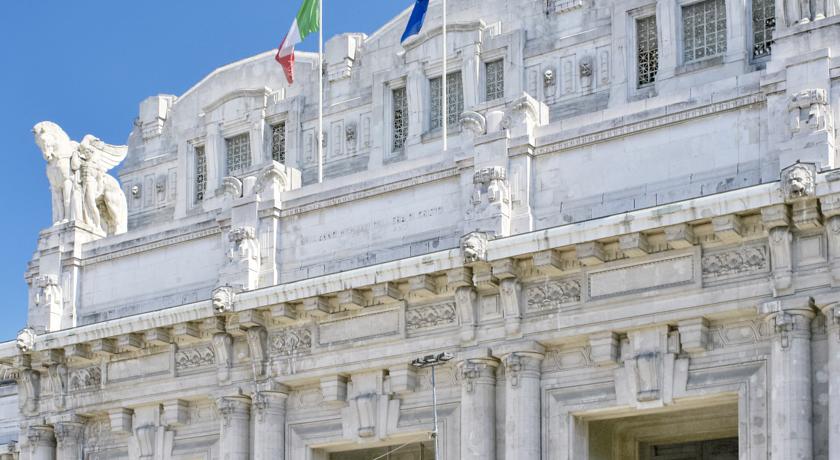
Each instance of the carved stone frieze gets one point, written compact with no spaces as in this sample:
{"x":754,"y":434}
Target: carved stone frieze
{"x":291,"y":342}
{"x":552,"y":294}
{"x":430,"y":316}
{"x":193,"y":358}
{"x":736,"y":261}
{"x":85,"y":379}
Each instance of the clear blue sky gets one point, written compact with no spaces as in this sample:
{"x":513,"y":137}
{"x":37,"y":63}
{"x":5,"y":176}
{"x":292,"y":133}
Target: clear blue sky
{"x":87,"y":65}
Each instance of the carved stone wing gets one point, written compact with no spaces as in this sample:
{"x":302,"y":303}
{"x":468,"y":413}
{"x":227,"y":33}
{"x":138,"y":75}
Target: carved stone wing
{"x":105,"y":155}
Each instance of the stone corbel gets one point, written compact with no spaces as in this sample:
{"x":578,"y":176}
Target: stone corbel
{"x":465,"y":302}
{"x":776,"y":220}
{"x":591,"y":253}
{"x":728,"y":229}
{"x":634,"y":245}
{"x":258,"y":346}
{"x":604,"y":348}
{"x":223,"y":348}
{"x":29,"y":388}
{"x":334,"y":390}
{"x":680,"y":236}
{"x":509,"y":290}
{"x":58,"y":381}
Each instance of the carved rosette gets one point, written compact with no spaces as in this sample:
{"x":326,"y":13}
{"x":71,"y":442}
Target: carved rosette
{"x":474,"y":372}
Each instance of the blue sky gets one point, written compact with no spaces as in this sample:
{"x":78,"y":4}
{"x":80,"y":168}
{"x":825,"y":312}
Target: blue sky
{"x":87,"y":64}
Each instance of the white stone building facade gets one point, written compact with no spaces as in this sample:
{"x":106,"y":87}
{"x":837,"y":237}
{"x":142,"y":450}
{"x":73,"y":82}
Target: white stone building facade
{"x":631,"y":248}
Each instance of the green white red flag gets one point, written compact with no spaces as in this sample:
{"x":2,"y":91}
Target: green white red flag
{"x":306,"y":22}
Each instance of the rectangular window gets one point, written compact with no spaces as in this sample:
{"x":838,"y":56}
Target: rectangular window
{"x":494,"y":75}
{"x":278,"y":142}
{"x":454,"y":100}
{"x":200,"y":174}
{"x":704,"y":29}
{"x":400,"y":116}
{"x":238,"y":153}
{"x":763,"y":24}
{"x":647,"y":50}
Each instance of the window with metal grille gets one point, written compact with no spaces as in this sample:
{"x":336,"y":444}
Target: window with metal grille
{"x":400,"y":116}
{"x":763,"y":24}
{"x":494,"y":75}
{"x":200,"y":174}
{"x":647,"y":50}
{"x":704,"y":29}
{"x":278,"y":142}
{"x":238,"y":153}
{"x":454,"y":100}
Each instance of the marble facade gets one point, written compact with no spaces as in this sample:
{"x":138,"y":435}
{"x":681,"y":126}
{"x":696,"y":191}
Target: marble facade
{"x":621,"y":270}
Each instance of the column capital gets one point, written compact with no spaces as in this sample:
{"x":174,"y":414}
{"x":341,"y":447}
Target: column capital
{"x":68,"y":433}
{"x":269,"y":403}
{"x":473,"y":371}
{"x":233,"y":406}
{"x":40,"y":436}
{"x":798,"y":306}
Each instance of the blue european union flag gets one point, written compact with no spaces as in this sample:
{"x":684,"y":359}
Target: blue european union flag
{"x":415,"y":21}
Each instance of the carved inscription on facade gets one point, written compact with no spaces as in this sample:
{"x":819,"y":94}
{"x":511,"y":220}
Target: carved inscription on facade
{"x":430,"y":316}
{"x":737,"y":261}
{"x":291,"y":342}
{"x":638,"y":278}
{"x":193,"y":358}
{"x":380,"y":324}
{"x":552,"y":294}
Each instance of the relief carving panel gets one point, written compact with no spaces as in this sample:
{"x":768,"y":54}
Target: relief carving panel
{"x":737,"y":261}
{"x":430,"y":316}
{"x":552,"y":294}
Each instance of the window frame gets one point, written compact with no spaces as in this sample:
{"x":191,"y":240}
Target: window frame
{"x":392,"y":90}
{"x":681,"y":35}
{"x":636,"y":53}
{"x":227,"y":154}
{"x":486,"y":80}
{"x":748,"y":17}
{"x":453,"y":118}
{"x":271,"y":128}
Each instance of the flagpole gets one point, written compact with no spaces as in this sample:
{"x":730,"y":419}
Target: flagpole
{"x":320,"y":91}
{"x":443,"y":83}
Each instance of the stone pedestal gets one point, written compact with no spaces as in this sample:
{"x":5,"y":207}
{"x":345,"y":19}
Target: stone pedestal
{"x":790,"y":397}
{"x":832,"y":320}
{"x":522,"y":405}
{"x":478,"y":408}
{"x":69,"y":440}
{"x":41,"y":443}
{"x":269,"y":422}
{"x":235,"y":433}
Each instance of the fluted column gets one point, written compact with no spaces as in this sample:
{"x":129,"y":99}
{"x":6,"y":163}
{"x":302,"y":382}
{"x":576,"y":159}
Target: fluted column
{"x":791,"y":410}
{"x":832,"y":321}
{"x":522,"y":405}
{"x":41,"y":442}
{"x":235,"y":433}
{"x":478,"y":408}
{"x":269,"y":414}
{"x":68,"y":436}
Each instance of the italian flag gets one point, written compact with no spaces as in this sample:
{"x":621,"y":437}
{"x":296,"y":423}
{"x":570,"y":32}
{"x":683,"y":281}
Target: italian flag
{"x":306,"y":22}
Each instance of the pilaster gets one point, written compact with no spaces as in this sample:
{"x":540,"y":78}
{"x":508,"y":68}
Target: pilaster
{"x":790,"y":363}
{"x":522,"y":363}
{"x":478,"y":408}
{"x":41,"y":440}
{"x":832,"y":322}
{"x":269,"y":422}
{"x":235,"y":432}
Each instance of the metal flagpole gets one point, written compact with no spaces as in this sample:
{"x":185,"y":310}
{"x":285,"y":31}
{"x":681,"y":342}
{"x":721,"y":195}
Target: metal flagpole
{"x":443,"y":84}
{"x":320,"y":91}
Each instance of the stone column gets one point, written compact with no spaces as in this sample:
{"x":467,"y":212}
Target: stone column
{"x":832,"y":321}
{"x":69,"y":440}
{"x":478,"y":408}
{"x":41,"y":442}
{"x":791,"y":409}
{"x":522,"y":403}
{"x":269,"y":414}
{"x":235,"y":433}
